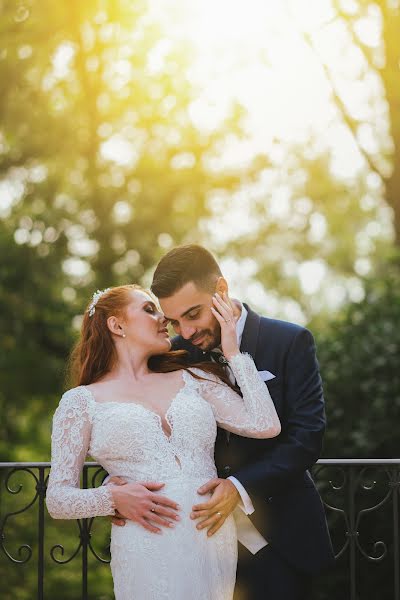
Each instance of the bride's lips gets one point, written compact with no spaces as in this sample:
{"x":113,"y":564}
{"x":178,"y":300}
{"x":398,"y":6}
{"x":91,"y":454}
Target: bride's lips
{"x":164,"y":331}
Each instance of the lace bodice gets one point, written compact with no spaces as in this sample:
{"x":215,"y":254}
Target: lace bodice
{"x":127,"y":438}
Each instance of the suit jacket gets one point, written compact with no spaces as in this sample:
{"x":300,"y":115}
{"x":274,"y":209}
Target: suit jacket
{"x":275,"y":472}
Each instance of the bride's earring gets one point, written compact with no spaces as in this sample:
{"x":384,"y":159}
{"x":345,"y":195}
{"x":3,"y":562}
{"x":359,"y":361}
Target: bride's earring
{"x":124,"y":335}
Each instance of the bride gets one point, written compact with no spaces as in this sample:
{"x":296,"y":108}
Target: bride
{"x":144,"y":414}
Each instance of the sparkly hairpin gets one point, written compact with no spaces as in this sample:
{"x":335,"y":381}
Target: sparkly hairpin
{"x":95,"y":298}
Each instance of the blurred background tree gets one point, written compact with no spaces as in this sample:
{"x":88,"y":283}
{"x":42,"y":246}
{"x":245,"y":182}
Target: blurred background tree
{"x":359,"y":355}
{"x":101,"y":170}
{"x":326,"y":209}
{"x":128,"y":129}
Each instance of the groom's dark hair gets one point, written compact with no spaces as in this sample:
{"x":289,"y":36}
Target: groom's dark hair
{"x":183,"y":264}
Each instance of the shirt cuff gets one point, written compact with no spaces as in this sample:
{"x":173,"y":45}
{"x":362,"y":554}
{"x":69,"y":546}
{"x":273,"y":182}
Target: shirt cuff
{"x":246,"y":504}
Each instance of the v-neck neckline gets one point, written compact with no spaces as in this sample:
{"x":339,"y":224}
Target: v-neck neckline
{"x":160,"y":418}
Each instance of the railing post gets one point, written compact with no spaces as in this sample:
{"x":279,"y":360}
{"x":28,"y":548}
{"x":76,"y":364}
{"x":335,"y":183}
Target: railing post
{"x":396,"y":558}
{"x":41,"y":489}
{"x":352,"y":533}
{"x":84,"y":538}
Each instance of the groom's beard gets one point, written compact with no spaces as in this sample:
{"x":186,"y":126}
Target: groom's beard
{"x":212,"y":339}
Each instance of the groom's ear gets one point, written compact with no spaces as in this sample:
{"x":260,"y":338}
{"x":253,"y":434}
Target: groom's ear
{"x":221,"y":286}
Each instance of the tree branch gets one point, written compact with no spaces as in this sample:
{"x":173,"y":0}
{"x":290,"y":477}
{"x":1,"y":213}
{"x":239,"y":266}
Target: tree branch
{"x":356,"y":41}
{"x":348,"y":120}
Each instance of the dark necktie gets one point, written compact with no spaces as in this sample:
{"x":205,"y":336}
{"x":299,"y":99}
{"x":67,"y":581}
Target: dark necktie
{"x":217,"y":356}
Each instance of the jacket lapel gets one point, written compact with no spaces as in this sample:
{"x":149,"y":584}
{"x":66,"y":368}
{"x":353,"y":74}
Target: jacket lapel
{"x":250,"y":333}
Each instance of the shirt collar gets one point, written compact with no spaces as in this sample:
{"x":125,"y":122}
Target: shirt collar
{"x":241,"y":322}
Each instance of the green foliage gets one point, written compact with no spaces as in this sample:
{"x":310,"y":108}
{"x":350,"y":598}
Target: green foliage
{"x":359,"y":356}
{"x":80,"y":76}
{"x":35,"y":331}
{"x":320,"y":218}
{"x":72,"y":217}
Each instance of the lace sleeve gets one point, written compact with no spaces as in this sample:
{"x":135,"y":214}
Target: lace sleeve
{"x":254,"y":415}
{"x":72,"y":423}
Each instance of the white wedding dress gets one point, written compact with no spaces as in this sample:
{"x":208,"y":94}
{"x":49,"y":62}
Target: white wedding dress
{"x":127,"y":439}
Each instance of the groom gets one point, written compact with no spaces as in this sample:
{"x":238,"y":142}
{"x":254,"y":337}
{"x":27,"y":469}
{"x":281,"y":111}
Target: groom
{"x":269,"y":478}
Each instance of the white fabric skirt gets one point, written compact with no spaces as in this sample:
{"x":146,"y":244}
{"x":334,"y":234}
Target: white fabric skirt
{"x":178,"y":564}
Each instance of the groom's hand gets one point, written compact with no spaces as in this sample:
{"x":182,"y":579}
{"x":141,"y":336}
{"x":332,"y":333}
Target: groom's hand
{"x":222,"y":503}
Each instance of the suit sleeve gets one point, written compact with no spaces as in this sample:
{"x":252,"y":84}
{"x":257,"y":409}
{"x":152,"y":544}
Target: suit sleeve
{"x":303,"y":425}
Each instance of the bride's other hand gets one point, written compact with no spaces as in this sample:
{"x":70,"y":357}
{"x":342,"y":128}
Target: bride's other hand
{"x":138,"y":502}
{"x":223,"y":312}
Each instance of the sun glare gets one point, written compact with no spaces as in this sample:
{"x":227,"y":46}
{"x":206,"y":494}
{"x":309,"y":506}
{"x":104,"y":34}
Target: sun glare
{"x":254,"y":53}
{"x":226,"y":20}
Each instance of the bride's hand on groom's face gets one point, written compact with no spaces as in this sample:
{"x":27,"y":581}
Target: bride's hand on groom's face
{"x":222,"y":503}
{"x":222,"y":310}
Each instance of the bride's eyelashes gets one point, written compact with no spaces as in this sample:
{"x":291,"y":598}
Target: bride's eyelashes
{"x":151,"y":309}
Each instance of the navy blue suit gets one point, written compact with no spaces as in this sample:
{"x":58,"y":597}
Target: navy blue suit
{"x":288,"y":510}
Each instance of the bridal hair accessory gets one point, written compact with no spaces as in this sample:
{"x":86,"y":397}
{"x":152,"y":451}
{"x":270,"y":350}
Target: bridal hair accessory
{"x":95,"y":298}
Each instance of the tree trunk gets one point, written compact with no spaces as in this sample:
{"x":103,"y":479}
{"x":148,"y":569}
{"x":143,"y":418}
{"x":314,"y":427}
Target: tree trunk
{"x":391,"y":80}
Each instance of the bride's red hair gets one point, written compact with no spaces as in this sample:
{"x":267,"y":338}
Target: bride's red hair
{"x":94,"y":354}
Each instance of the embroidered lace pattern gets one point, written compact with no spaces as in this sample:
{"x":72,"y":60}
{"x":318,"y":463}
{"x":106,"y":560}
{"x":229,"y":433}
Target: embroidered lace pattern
{"x":128,"y":439}
{"x":70,"y":441}
{"x":253,"y":415}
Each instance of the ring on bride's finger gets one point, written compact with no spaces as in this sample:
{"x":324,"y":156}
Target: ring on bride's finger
{"x":153,"y":509}
{"x":219,"y":514}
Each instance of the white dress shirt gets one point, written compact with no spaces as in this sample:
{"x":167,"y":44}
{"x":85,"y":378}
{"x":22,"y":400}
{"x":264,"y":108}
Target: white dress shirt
{"x":248,"y":534}
{"x":246,"y":504}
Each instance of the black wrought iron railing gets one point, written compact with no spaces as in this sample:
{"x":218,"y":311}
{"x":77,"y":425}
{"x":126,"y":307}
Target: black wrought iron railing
{"x":361,"y":499}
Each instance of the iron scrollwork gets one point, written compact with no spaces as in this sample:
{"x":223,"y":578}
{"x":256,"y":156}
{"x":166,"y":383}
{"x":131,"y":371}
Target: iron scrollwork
{"x":352,"y":491}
